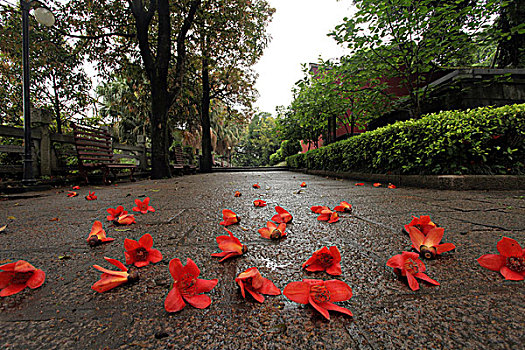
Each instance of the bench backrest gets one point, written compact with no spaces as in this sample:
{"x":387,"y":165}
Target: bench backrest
{"x":179,"y":155}
{"x":93,"y":145}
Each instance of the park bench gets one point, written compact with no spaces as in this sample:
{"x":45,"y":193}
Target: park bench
{"x":181,"y":165}
{"x":95,"y":152}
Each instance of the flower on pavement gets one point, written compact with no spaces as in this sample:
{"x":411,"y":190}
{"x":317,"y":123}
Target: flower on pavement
{"x":303,"y":184}
{"x":229,"y":218}
{"x":391,"y":186}
{"x":237,"y":194}
{"x":423,"y":224}
{"x":259,"y":203}
{"x":143,"y":206}
{"x":320,"y":294}
{"x":408,"y":264}
{"x":91,"y":196}
{"x":72,"y":194}
{"x":325,"y":259}
{"x":141,"y":253}
{"x":75,"y":188}
{"x":318,"y":208}
{"x":111,"y":279}
{"x":16,"y":276}
{"x":98,"y":235}
{"x":230,"y":246}
{"x":344,"y":207}
{"x":282,"y":216}
{"x":252,"y":281}
{"x":115,"y":213}
{"x":187,"y":287}
{"x":272,"y":231}
{"x":428,"y":246}
{"x":377,"y":184}
{"x":360,"y":184}
{"x":328,"y":215}
{"x":125,"y":219}
{"x":510,"y":261}
{"x":256,"y":185}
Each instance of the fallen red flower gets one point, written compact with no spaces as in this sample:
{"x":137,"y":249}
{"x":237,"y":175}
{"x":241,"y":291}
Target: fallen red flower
{"x":409,"y":265}
{"x":377,"y":184}
{"x":391,"y":186}
{"x":325,"y":259}
{"x":187,"y":286}
{"x":115,"y":213}
{"x":510,"y":261}
{"x":359,"y":184}
{"x":320,"y":294}
{"x":272,"y":231}
{"x":75,"y":188}
{"x":328,"y":215}
{"x":229,"y":218}
{"x":237,"y":194}
{"x":16,"y":276}
{"x":256,"y":185}
{"x":282,"y":216}
{"x":141,"y":253}
{"x":111,"y":279}
{"x":125,"y":219}
{"x":230,"y":246}
{"x":423,"y":224}
{"x":344,"y":207}
{"x":318,"y":208}
{"x":428,"y":246}
{"x":98,"y":235}
{"x":72,"y":194}
{"x":252,"y":281}
{"x":303,"y":184}
{"x":91,"y":196}
{"x":143,"y":206}
{"x":259,"y":203}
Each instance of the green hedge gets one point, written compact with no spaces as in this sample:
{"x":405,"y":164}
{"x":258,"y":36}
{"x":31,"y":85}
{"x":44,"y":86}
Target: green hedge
{"x":485,"y":140}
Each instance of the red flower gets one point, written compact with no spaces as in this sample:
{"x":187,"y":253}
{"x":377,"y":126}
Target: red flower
{"x":230,"y":246}
{"x":16,"y":276}
{"x":303,"y":184}
{"x":237,"y":194}
{"x":125,"y":219}
{"x":91,"y":196}
{"x":75,"y":188}
{"x":143,"y":206}
{"x":259,"y":203}
{"x":320,"y":294}
{"x":408,"y":264}
{"x":111,"y":279}
{"x":256,"y":185}
{"x":318,"y":208}
{"x":428,"y":246}
{"x":510,"y":261}
{"x":72,"y":194}
{"x":271,"y":231}
{"x":328,"y":215}
{"x":360,"y":184}
{"x":282,"y":216}
{"x":252,"y":281}
{"x":98,"y":235}
{"x":423,"y":224}
{"x":229,"y":218}
{"x":141,"y":253}
{"x":325,"y":259}
{"x":344,"y":207}
{"x":115,"y":213}
{"x":187,"y":286}
{"x":391,"y":186}
{"x":377,"y":184}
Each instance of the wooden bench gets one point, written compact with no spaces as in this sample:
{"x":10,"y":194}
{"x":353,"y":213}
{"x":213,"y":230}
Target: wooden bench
{"x":95,"y":152}
{"x":181,"y":165}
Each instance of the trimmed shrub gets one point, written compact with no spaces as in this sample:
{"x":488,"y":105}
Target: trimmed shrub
{"x":485,"y":140}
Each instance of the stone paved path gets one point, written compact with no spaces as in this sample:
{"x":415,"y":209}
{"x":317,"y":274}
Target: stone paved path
{"x":473,"y":308}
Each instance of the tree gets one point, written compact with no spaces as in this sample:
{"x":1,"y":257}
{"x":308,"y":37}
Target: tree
{"x":510,"y":29}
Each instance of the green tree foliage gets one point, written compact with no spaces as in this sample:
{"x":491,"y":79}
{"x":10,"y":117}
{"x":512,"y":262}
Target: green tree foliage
{"x":259,"y":142}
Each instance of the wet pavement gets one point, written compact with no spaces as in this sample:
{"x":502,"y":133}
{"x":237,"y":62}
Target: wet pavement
{"x":473,"y":307}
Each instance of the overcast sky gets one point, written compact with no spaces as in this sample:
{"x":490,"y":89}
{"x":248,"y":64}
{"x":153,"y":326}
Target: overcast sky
{"x":298,"y":31}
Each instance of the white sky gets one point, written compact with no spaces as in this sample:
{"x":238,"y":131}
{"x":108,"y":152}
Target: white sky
{"x":298,"y":31}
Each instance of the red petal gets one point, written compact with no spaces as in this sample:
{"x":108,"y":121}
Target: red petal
{"x":5,"y":279}
{"x":116,"y":263}
{"x":130,"y":244}
{"x":511,"y":275}
{"x":412,"y":283}
{"x":333,"y":307}
{"x":220,"y":255}
{"x":8,"y":267}
{"x":336,"y":254}
{"x":199,"y":301}
{"x":269,"y":287}
{"x":509,"y":247}
{"x":146,"y":241}
{"x":108,"y":282}
{"x":396,"y":261}
{"x":277,"y":218}
{"x":24,"y":266}
{"x":334,"y":269}
{"x":265,"y":232}
{"x":425,"y":278}
{"x":319,"y":308}
{"x":174,"y":302}
{"x":492,"y":262}
{"x":241,"y":285}
{"x":111,"y":272}
{"x":257,"y":296}
{"x":12,"y":289}
{"x":434,"y":236}
{"x":416,"y":237}
{"x":204,"y":286}
{"x":176,"y":269}
{"x":445,"y":247}
{"x":298,"y":292}
{"x":154,"y":256}
{"x":229,"y":255}
{"x":37,"y":279}
{"x":315,"y":266}
{"x":339,"y":290}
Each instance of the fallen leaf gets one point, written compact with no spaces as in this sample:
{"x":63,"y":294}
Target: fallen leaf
{"x":2,"y":229}
{"x":64,"y":257}
{"x":54,"y":219}
{"x":122,"y":229}
{"x":11,"y":218}
{"x":299,"y":192}
{"x":17,"y":204}
{"x":155,"y":190}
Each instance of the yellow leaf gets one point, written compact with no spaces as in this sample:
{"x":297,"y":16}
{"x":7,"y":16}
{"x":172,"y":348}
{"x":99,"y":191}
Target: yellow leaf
{"x":3,"y":228}
{"x":11,"y":218}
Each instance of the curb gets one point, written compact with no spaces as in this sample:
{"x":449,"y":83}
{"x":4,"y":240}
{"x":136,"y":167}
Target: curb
{"x":442,"y":182}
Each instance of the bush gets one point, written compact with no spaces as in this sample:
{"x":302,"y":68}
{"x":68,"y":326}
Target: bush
{"x":485,"y":140}
{"x":277,"y":157}
{"x":288,"y":148}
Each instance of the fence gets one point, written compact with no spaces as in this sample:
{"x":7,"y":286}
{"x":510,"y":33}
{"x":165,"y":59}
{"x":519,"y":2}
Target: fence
{"x":55,"y":154}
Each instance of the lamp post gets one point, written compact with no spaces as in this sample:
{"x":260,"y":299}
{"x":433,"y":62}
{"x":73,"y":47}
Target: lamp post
{"x":44,"y":16}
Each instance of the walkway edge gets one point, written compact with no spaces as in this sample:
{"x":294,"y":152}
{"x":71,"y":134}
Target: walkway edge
{"x":442,"y":182}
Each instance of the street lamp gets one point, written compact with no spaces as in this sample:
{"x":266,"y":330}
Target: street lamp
{"x":44,"y":16}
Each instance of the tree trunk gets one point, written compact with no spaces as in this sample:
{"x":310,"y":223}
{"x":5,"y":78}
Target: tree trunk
{"x":160,"y":167}
{"x":56,"y":104}
{"x":207,"y":160}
